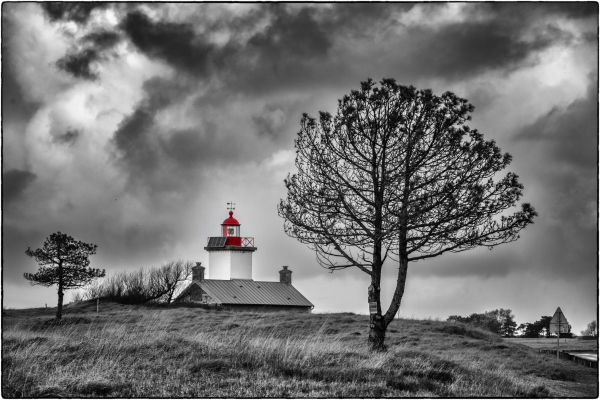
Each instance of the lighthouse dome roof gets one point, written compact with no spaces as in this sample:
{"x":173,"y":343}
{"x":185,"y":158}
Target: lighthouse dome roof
{"x":231,"y":220}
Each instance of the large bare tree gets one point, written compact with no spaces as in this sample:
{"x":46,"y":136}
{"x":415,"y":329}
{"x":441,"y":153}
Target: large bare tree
{"x":397,"y":174}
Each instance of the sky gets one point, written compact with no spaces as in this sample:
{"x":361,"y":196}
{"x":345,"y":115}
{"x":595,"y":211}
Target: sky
{"x":131,"y":126}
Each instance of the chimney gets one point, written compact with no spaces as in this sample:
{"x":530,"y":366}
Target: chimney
{"x":285,"y":275}
{"x":198,"y":272}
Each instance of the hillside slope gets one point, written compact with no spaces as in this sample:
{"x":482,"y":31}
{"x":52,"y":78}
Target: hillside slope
{"x":145,"y":351}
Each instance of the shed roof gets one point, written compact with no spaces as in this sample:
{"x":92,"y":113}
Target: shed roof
{"x":239,"y":291}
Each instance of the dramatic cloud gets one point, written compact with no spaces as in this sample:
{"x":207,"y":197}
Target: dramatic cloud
{"x":569,"y":134}
{"x":297,"y":36}
{"x":68,"y":137}
{"x":463,"y":49}
{"x":176,"y":44}
{"x":76,"y":12}
{"x":102,"y":39}
{"x":270,"y":121}
{"x":14,"y":183}
{"x":131,"y":125}
{"x":564,"y":143}
{"x":80,"y":62}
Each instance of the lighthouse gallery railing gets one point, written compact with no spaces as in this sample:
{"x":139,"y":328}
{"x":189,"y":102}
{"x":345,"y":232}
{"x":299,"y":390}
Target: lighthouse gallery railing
{"x":245,"y":242}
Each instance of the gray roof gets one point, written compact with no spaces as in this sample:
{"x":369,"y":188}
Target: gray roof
{"x":239,"y":291}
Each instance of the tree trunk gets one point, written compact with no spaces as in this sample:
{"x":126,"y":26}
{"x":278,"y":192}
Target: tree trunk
{"x":60,"y":293}
{"x":377,"y":333}
{"x":60,"y":304}
{"x":399,"y":292}
{"x":377,"y":321}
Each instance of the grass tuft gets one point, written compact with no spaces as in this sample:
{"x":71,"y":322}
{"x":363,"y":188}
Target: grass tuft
{"x":539,"y":392}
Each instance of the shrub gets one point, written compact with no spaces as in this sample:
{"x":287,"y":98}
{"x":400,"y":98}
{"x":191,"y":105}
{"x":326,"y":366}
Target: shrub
{"x":158,"y":284}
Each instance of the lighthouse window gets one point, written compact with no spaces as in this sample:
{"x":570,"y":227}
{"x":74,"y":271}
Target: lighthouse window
{"x":230,"y":231}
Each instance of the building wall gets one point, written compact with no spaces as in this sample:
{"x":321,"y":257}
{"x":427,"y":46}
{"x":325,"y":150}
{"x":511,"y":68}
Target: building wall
{"x":219,"y":264}
{"x":228,"y":264}
{"x":197,"y":295}
{"x":241,"y":265}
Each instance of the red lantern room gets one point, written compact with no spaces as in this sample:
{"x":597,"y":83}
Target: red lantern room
{"x":230,"y":228}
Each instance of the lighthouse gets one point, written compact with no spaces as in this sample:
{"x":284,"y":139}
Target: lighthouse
{"x":230,"y":255}
{"x":231,"y":284}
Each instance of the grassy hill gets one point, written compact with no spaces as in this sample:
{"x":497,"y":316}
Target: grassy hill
{"x":145,"y":351}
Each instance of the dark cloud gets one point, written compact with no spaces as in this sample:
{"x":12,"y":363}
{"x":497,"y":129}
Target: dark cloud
{"x":80,"y":64}
{"x":480,"y":262}
{"x":281,"y":55}
{"x":289,"y":38}
{"x":69,"y":137}
{"x":96,"y":44}
{"x":296,"y":46}
{"x":563,"y":249}
{"x":159,"y":159}
{"x":141,"y":145}
{"x":306,"y":48}
{"x":131,"y":139}
{"x":14,"y":183}
{"x":293,"y":50}
{"x":590,"y":37}
{"x":564,"y":143}
{"x":571,"y":133}
{"x":188,"y":148}
{"x":76,"y":12}
{"x":587,"y":9}
{"x":16,"y":107}
{"x":473,"y":47}
{"x":362,"y":20}
{"x":571,"y":10}
{"x":174,"y":43}
{"x":271,"y":121}
{"x":291,"y":35}
{"x":102,"y":39}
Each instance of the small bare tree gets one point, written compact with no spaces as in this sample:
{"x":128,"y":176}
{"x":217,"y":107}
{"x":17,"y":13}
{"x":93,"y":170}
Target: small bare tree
{"x":397,"y":174}
{"x":63,"y":262}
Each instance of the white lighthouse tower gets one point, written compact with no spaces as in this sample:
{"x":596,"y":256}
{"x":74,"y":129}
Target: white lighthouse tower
{"x":230,"y":255}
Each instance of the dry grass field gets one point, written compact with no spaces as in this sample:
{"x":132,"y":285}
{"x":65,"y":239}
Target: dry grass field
{"x":145,"y":351}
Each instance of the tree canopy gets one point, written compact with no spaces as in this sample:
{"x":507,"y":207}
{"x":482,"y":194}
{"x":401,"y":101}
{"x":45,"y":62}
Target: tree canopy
{"x":397,"y":174}
{"x":501,"y":321}
{"x":64,"y":262}
{"x":592,"y":330}
{"x":539,"y":328}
